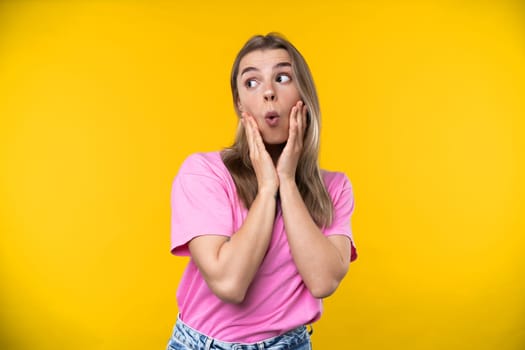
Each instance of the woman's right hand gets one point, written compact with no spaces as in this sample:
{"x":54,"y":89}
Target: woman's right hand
{"x":267,"y":178}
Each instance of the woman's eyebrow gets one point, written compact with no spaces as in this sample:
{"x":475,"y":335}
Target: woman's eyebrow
{"x":278,"y":65}
{"x":282,"y":64}
{"x":248,"y":69}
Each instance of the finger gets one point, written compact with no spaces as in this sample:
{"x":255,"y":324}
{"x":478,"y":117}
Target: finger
{"x":292,"y":128}
{"x":246,"y":125}
{"x":254,"y":133}
{"x":305,"y":118}
{"x":249,"y":133}
{"x":304,"y":123}
{"x":258,"y":144}
{"x":300,"y":119}
{"x":258,"y":137}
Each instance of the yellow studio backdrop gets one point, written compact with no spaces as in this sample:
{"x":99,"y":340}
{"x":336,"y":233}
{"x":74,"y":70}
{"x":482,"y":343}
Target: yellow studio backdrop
{"x":423,"y":108}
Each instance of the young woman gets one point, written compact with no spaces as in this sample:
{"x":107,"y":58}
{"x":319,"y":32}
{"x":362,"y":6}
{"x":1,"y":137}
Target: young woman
{"x":267,"y":231}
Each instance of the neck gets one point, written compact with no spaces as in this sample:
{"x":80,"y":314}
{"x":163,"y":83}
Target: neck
{"x":275,"y":151}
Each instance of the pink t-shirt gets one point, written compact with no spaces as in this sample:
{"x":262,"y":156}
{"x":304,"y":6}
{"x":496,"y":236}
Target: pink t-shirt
{"x":204,"y":201}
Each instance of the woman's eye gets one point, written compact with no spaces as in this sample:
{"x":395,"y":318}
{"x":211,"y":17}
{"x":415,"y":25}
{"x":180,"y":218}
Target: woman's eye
{"x":283,"y":78}
{"x":250,"y":83}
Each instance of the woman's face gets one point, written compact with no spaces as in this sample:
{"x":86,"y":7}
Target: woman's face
{"x":267,"y":91}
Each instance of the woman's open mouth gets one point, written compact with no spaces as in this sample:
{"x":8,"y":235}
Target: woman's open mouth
{"x":272,"y":118}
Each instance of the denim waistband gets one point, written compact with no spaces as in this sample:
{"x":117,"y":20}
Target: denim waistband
{"x":193,"y":339}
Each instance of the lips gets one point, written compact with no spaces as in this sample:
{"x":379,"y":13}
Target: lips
{"x":271,"y":118}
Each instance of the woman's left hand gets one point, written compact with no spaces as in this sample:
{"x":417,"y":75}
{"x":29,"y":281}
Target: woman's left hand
{"x":287,"y":163}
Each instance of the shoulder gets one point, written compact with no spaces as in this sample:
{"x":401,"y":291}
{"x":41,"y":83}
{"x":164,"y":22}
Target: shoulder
{"x":335,"y":182}
{"x":203,"y":163}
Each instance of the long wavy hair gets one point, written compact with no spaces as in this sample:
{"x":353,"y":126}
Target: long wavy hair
{"x":308,"y":174}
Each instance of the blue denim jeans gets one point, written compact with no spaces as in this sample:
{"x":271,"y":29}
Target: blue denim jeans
{"x":187,"y":338}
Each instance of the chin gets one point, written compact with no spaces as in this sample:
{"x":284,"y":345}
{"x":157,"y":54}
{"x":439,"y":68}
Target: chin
{"x":275,"y":137}
{"x":275,"y":140}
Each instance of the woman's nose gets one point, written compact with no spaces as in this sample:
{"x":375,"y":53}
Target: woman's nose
{"x":269,"y":94}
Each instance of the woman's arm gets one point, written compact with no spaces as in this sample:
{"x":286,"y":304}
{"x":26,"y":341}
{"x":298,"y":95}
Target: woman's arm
{"x":229,"y":264}
{"x":322,"y":260}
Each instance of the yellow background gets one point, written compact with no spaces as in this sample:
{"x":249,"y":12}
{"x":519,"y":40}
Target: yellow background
{"x":423,"y":108}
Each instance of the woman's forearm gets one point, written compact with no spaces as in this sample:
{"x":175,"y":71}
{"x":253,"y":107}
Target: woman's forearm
{"x":230,"y":264}
{"x":322,"y":261}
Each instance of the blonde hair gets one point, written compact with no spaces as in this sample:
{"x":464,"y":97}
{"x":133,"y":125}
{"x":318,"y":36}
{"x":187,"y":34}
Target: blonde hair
{"x":308,"y":175}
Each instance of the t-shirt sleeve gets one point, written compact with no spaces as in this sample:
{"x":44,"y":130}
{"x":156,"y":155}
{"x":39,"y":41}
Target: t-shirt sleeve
{"x":342,"y":195}
{"x":199,"y":205}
